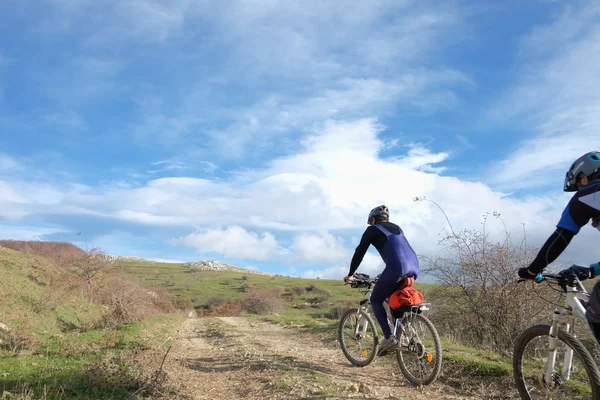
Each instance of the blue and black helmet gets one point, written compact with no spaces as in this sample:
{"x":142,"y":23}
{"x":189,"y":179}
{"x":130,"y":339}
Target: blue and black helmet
{"x":586,"y":165}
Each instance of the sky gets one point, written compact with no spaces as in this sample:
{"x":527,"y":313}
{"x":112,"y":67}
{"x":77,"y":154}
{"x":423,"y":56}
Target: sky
{"x":261,"y":133}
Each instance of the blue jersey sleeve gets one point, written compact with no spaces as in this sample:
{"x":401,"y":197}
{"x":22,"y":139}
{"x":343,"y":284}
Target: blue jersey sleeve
{"x":583,"y":206}
{"x":567,"y":222}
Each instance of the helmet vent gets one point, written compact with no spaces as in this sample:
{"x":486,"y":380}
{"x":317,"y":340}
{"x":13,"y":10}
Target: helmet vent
{"x":595,"y":157}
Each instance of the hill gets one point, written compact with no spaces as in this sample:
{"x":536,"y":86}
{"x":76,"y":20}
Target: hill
{"x":57,"y":329}
{"x":51,"y":250}
{"x":251,"y":322}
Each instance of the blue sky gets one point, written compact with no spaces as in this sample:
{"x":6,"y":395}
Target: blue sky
{"x":261,"y":133}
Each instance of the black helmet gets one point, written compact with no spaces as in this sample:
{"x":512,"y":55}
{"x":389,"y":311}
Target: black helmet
{"x":586,"y":165}
{"x":379,"y":212}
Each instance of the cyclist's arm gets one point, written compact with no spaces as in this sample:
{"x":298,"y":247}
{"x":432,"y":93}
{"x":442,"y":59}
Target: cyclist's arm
{"x":361,"y":249}
{"x":554,"y":246}
{"x":575,"y":215}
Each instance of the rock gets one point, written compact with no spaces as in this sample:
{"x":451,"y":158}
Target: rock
{"x":192,"y":314}
{"x":212,"y":265}
{"x":365,"y":389}
{"x":353,"y":388}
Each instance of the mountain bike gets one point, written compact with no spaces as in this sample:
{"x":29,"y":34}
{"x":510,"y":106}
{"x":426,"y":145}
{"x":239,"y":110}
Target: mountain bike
{"x":539,"y":371}
{"x":419,"y":356}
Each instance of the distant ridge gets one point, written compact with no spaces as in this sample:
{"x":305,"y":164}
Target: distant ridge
{"x":113,"y":258}
{"x":53,"y":250}
{"x":212,"y":265}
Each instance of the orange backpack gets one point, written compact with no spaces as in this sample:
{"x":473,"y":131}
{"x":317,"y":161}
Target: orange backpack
{"x":407,"y":296}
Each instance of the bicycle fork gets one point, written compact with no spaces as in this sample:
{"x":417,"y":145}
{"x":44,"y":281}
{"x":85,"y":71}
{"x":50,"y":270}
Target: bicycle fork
{"x":358,"y":323}
{"x":552,"y":345}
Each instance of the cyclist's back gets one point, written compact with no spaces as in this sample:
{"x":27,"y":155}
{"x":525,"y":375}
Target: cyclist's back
{"x":389,"y":240}
{"x":400,"y":262}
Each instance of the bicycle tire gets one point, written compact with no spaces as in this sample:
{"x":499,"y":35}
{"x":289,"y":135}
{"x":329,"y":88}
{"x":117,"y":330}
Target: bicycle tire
{"x":578,"y":348}
{"x":438,"y":351}
{"x":371,"y":356}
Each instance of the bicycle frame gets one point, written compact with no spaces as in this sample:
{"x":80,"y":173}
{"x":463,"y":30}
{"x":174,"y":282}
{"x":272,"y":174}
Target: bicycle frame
{"x":365,"y":305}
{"x":574,"y":296}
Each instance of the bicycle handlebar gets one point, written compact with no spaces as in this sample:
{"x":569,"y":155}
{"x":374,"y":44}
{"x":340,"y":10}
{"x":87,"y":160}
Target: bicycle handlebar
{"x":361,"y":281}
{"x":566,"y":277}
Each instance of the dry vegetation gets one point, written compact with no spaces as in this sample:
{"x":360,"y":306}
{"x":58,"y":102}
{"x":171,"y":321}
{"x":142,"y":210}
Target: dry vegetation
{"x":63,"y":305}
{"x":479,"y":302}
{"x":89,"y":273}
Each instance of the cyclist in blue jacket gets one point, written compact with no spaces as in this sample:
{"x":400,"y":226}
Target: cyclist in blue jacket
{"x":400,"y":262}
{"x":583,"y":177}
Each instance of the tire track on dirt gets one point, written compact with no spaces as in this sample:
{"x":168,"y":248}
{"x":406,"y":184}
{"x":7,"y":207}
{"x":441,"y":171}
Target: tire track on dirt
{"x":244,"y":358}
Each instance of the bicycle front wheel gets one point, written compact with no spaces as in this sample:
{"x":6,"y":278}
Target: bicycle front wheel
{"x":358,"y":337}
{"x":579,"y":381}
{"x":419,"y":351}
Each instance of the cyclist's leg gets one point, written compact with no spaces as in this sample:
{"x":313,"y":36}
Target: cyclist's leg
{"x":592,"y":313}
{"x":385,"y":286}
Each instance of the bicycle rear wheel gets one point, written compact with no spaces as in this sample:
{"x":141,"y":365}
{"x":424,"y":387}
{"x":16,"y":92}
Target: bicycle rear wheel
{"x":358,"y":337}
{"x":419,"y":351}
{"x":529,"y":365}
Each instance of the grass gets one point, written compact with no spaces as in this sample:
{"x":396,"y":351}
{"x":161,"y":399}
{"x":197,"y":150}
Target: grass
{"x":54,"y":343}
{"x":202,"y":285}
{"x":199,"y":286}
{"x":63,"y":343}
{"x":64,"y":373}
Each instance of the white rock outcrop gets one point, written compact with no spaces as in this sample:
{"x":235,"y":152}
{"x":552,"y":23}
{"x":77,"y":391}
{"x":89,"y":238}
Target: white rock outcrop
{"x":212,"y":265}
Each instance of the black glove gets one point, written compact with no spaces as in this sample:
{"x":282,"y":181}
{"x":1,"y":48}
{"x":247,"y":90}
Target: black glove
{"x":524,"y":274}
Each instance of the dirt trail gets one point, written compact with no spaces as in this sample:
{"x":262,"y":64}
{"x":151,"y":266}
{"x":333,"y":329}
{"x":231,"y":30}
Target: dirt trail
{"x":241,"y":358}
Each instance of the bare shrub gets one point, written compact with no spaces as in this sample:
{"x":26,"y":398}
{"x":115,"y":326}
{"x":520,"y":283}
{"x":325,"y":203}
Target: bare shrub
{"x":48,"y":300}
{"x":87,"y":266}
{"x":245,"y":287}
{"x":215,"y":302}
{"x":277,"y":291}
{"x":479,"y":301}
{"x":16,"y":339}
{"x":337,"y":312}
{"x":233,"y":307}
{"x":299,"y":290}
{"x":111,"y":371}
{"x":311,"y":287}
{"x":127,"y":301}
{"x":181,"y":303}
{"x":263,"y":302}
{"x":245,"y":277}
{"x":161,"y":300}
{"x":118,"y":373}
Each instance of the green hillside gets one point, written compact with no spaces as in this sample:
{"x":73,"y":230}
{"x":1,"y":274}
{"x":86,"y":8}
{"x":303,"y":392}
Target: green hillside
{"x":54,"y":333}
{"x":198,"y":286}
{"x":62,"y":335}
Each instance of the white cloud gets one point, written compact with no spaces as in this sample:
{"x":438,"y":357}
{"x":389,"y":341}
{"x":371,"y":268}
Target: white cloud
{"x":321,"y":196}
{"x":319,"y":248}
{"x":371,"y":265}
{"x":234,"y":242}
{"x":7,"y":163}
{"x":557,"y":96}
{"x":12,"y":205}
{"x":329,"y":185}
{"x":304,"y":63}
